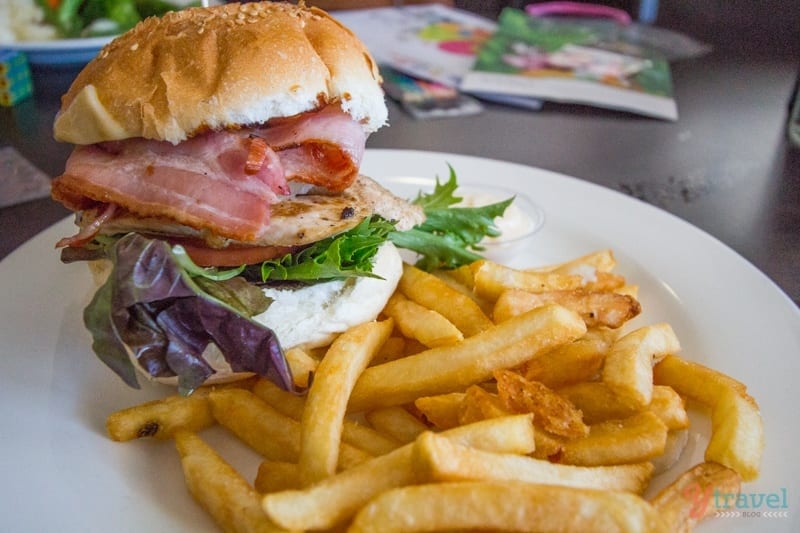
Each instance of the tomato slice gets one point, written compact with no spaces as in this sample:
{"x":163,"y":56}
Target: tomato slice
{"x":232,"y":256}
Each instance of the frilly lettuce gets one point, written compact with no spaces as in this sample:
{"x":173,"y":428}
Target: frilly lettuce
{"x":151,"y":306}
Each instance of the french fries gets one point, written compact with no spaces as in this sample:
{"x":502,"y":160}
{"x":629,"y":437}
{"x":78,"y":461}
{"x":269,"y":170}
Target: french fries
{"x":628,"y":368}
{"x":505,"y":506}
{"x":161,"y":418}
{"x":265,"y":430}
{"x":597,"y":402}
{"x":689,"y":499}
{"x":437,"y":458}
{"x":694,"y":380}
{"x":359,"y":435}
{"x":631,"y":440}
{"x":597,"y":308}
{"x":433,"y":293}
{"x":591,"y":263}
{"x":492,"y":279}
{"x":489,"y":398}
{"x":396,"y":422}
{"x":577,"y":362}
{"x":441,"y":410}
{"x":219,"y":488}
{"x":737,"y":434}
{"x":418,"y":322}
{"x":336,"y":499}
{"x":454,"y":367}
{"x":737,"y":430}
{"x":326,"y":402}
{"x":273,"y":476}
{"x":302,"y":365}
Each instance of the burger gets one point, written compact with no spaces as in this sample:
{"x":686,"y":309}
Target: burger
{"x":216,"y":178}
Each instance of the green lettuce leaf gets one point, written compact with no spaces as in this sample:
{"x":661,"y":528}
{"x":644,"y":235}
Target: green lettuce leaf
{"x":345,"y":255}
{"x":450,"y":236}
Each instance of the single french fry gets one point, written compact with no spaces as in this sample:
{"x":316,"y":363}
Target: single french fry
{"x":505,"y":506}
{"x":552,"y":412}
{"x":695,"y":495}
{"x":219,"y":488}
{"x":455,"y":367}
{"x":396,"y":422}
{"x":492,"y":279}
{"x":302,"y":365}
{"x":418,"y":322}
{"x":368,"y":439}
{"x":628,"y":368}
{"x":604,"y":282}
{"x":161,"y":418}
{"x":270,"y":433}
{"x":461,"y":280}
{"x":737,"y":434}
{"x":669,"y":407}
{"x":261,"y":427}
{"x":441,"y":410}
{"x":597,"y":308}
{"x":462,"y":275}
{"x":597,"y":401}
{"x":585,"y":265}
{"x":334,"y":500}
{"x":353,"y":433}
{"x":326,"y":402}
{"x":635,"y":439}
{"x":433,"y":293}
{"x":575,"y":362}
{"x":274,"y":476}
{"x":437,"y":458}
{"x":737,"y":430}
{"x":285,"y":402}
{"x":694,"y":380}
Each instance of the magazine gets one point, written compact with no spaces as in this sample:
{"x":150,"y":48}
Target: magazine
{"x":571,"y":60}
{"x":433,"y":42}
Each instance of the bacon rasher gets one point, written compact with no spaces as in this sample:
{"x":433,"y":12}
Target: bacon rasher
{"x":206,"y":182}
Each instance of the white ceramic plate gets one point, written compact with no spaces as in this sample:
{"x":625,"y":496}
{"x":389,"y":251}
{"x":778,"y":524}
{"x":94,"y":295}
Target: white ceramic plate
{"x":60,"y":472}
{"x":65,"y":52}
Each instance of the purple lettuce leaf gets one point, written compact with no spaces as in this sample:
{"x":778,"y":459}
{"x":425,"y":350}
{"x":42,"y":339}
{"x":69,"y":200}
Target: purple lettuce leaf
{"x":151,"y":306}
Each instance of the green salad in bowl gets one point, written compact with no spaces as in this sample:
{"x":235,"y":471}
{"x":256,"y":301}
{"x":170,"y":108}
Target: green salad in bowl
{"x":95,"y":18}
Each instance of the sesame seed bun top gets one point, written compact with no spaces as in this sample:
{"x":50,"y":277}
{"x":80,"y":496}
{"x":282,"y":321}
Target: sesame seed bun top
{"x":214,"y":68}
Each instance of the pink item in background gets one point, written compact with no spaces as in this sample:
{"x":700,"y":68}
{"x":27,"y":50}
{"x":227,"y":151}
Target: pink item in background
{"x":578,"y":9}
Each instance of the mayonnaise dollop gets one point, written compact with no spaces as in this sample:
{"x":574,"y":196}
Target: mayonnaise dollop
{"x":515,"y":223}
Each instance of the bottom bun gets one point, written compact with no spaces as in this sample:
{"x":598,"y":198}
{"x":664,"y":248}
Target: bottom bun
{"x":313,"y":316}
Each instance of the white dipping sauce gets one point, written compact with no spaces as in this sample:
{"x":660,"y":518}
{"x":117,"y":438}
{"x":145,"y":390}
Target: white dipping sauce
{"x":514,"y":224}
